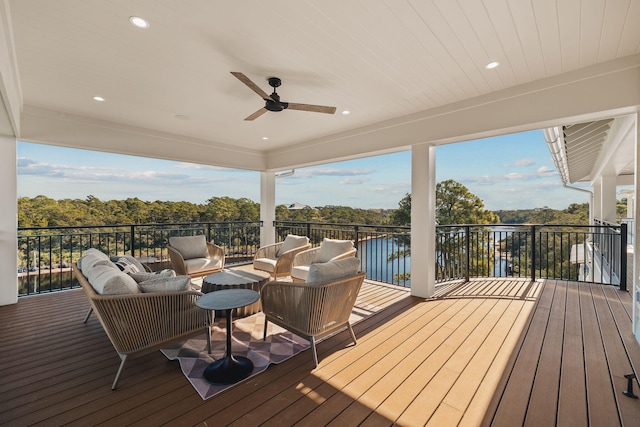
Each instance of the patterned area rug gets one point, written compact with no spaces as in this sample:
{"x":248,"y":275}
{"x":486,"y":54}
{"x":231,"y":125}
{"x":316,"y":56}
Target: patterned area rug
{"x":279,"y":346}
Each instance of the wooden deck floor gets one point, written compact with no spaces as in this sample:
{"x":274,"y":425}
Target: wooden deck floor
{"x":492,"y":352}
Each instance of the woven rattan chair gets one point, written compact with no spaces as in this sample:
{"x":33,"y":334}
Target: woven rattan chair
{"x":141,"y":323}
{"x":310,"y":310}
{"x":278,"y":265}
{"x":196,"y":267}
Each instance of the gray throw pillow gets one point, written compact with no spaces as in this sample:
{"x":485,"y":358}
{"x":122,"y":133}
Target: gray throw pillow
{"x":332,"y":270}
{"x":164,"y":284}
{"x":190,"y":246}
{"x":127,"y":260}
{"x":127,"y":265}
{"x":144,"y":275}
{"x":291,"y":242}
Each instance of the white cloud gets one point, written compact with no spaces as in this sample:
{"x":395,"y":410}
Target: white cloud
{"x":524,"y":162}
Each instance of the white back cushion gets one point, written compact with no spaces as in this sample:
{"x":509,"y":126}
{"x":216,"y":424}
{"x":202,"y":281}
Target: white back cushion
{"x":291,"y":242}
{"x":190,"y":246}
{"x":331,"y":248}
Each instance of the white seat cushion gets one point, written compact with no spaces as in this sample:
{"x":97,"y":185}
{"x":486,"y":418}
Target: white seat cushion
{"x":300,"y":272}
{"x":265,"y":264}
{"x":331,"y":248}
{"x":196,"y":265}
{"x":190,"y":246}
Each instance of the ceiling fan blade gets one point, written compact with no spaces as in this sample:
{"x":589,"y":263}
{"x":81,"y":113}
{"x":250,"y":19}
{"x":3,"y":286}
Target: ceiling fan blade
{"x":312,"y":108}
{"x":254,"y":87}
{"x":257,"y":114}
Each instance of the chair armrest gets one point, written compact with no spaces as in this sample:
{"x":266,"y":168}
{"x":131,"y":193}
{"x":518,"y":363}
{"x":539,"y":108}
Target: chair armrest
{"x":285,"y":261}
{"x":268,"y":251}
{"x":305,"y":257}
{"x":216,"y":252}
{"x":177,"y":261}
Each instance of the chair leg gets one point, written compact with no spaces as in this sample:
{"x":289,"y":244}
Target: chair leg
{"x":353,"y":336}
{"x":88,"y":314}
{"x":312,"y":341}
{"x":264,"y":335}
{"x":115,"y":382}
{"x":208,"y":333}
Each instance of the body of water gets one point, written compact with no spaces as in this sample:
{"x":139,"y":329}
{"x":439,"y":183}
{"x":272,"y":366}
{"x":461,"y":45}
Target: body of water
{"x":374,"y":256}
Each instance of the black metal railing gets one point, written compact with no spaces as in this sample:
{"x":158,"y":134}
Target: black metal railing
{"x":45,"y":254}
{"x":595,"y":253}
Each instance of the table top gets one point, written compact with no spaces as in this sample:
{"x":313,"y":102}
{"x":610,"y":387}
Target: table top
{"x":236,"y":277}
{"x":227,"y":299}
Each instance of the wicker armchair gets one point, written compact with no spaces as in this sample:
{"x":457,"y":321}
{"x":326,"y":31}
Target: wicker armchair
{"x":195,"y":266}
{"x":303,"y":260}
{"x":311,"y":310}
{"x":268,"y":258}
{"x":141,"y":323}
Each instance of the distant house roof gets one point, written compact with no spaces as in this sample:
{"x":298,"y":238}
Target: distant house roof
{"x":295,"y":205}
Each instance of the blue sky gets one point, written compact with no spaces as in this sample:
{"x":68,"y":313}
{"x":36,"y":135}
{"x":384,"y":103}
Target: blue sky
{"x":508,"y":172}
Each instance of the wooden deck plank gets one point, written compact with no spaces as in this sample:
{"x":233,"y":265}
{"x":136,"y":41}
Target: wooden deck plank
{"x":365,"y":383}
{"x":513,"y":401}
{"x":548,"y":372}
{"x":478,"y":407}
{"x":405,"y":368}
{"x":601,"y":401}
{"x":572,"y":398}
{"x":617,"y":358}
{"x":347,"y":381}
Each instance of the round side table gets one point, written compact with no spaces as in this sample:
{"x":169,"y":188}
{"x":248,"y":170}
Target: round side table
{"x":230,"y":369}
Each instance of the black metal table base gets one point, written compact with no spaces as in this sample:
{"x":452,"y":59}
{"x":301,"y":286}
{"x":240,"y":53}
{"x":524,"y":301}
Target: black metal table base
{"x":230,"y":369}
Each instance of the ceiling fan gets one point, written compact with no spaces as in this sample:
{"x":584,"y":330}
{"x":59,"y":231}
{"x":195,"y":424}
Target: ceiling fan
{"x":273,"y":103}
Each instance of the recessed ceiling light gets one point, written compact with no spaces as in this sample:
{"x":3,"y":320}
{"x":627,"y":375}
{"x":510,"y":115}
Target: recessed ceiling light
{"x":265,"y":137}
{"x":491,"y":65}
{"x":182,"y":117}
{"x":345,"y":112}
{"x":139,"y":22}
{"x":98,"y":98}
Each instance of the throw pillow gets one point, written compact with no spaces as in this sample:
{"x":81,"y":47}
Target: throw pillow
{"x":327,"y":271}
{"x":126,"y":265}
{"x":190,"y":246}
{"x":331,"y":248}
{"x":292,"y":242}
{"x":171,"y":284}
{"x":144,"y":275}
{"x":128,"y":259}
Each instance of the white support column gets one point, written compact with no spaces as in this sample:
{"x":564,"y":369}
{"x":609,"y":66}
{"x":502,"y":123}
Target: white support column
{"x":267,"y":207}
{"x":634,"y":286}
{"x":631,"y":203}
{"x":608,"y":198}
{"x":423,"y":220}
{"x":597,"y":199}
{"x":8,"y":222}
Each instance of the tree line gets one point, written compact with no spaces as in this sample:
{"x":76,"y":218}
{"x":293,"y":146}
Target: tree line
{"x":455,"y":204}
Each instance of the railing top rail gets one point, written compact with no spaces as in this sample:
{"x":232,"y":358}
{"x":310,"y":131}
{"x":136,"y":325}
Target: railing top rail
{"x":338,"y":224}
{"x":163,"y":224}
